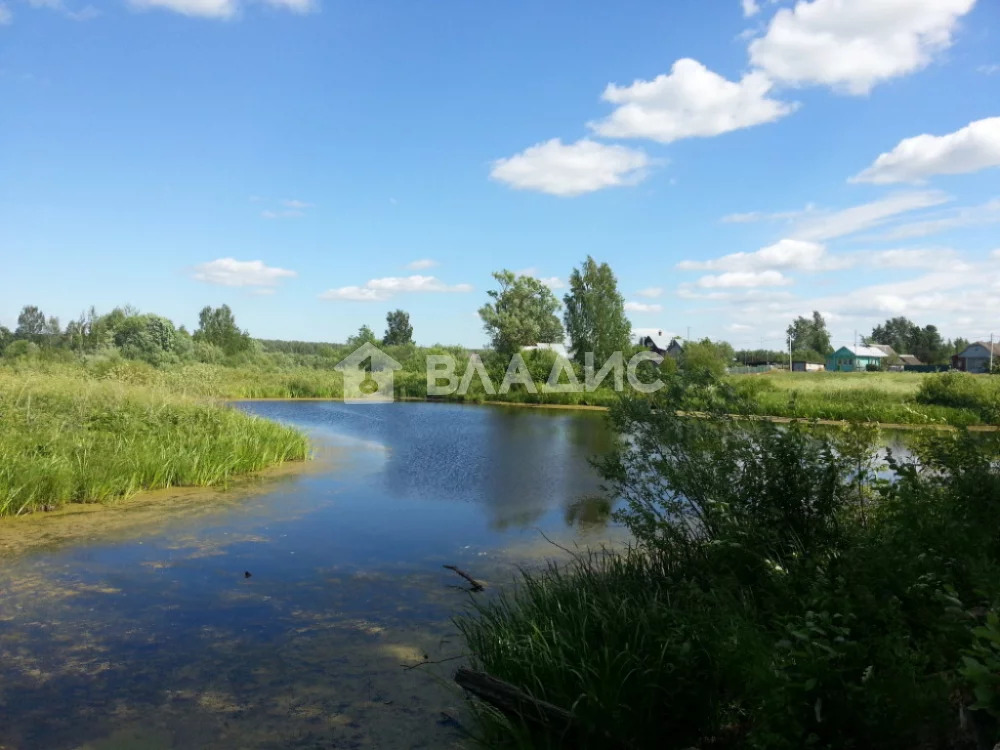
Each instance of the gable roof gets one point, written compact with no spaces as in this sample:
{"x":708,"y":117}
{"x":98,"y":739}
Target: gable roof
{"x":909,"y":359}
{"x":889,"y":351}
{"x":864,"y":351}
{"x":985,"y":344}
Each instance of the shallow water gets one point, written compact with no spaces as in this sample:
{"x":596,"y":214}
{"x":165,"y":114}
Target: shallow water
{"x":136,"y":627}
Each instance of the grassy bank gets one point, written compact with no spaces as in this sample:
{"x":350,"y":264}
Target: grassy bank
{"x":67,"y":438}
{"x":781,"y":594}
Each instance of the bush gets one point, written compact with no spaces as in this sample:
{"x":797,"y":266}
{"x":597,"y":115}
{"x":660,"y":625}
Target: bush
{"x":782,"y":592}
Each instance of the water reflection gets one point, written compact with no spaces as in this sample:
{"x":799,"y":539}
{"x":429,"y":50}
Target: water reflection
{"x":148,"y":634}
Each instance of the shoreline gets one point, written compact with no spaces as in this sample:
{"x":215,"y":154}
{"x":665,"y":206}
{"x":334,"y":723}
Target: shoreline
{"x":910,"y":426}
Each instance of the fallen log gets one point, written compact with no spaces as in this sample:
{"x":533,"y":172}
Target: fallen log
{"x":476,"y":585}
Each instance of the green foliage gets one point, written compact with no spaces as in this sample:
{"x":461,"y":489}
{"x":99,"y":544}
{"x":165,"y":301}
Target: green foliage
{"x":217,"y":326}
{"x":810,"y":334}
{"x":783,"y":592}
{"x":706,"y":355}
{"x":398,"y":331}
{"x":66,"y":439}
{"x":523,"y":313}
{"x":905,"y":337}
{"x":961,"y":390}
{"x":31,"y":325}
{"x":365,"y":335}
{"x":595,"y":312}
{"x":6,"y":337}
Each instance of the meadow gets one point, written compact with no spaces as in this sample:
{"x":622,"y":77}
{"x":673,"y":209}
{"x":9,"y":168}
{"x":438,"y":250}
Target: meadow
{"x":67,"y":438}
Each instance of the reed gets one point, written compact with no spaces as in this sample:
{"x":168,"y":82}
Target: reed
{"x":70,"y":439}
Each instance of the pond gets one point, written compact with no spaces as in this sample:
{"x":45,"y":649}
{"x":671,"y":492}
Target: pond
{"x":281,"y":614}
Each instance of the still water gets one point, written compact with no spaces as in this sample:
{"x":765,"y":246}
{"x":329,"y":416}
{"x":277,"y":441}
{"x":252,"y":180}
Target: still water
{"x":138,"y":627}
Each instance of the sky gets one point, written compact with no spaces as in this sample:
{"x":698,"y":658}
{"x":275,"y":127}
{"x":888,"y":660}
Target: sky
{"x":314,"y":164}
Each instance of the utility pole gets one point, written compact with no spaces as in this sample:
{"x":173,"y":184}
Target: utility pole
{"x":991,"y":352}
{"x":789,"y":353}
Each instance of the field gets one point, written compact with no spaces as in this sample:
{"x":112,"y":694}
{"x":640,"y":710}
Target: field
{"x":65,"y":438}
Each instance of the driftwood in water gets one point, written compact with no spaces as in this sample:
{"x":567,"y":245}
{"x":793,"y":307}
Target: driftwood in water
{"x":476,"y":585}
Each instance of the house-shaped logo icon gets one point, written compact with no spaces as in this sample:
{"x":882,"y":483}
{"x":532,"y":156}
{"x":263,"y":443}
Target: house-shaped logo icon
{"x":367,"y":384}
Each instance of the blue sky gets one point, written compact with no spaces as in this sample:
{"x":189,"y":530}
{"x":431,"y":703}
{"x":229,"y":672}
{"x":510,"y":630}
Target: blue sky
{"x":315,"y":164}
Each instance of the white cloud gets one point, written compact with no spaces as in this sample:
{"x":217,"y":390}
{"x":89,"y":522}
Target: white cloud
{"x":220,"y":9}
{"x":692,"y":101}
{"x":744,"y":280}
{"x":755,"y":216}
{"x":790,"y":254}
{"x":750,"y":8}
{"x":643,"y":307}
{"x":829,"y":225}
{"x":199,"y":8}
{"x":932,"y":258}
{"x":296,"y":204}
{"x":381,"y":289}
{"x":974,"y":147}
{"x":941,"y":221}
{"x":232,"y":272}
{"x":6,"y":16}
{"x":852,"y":45}
{"x":996,"y":253}
{"x":652,"y":292}
{"x":989,"y":70}
{"x":571,"y":169}
{"x":422,"y":264}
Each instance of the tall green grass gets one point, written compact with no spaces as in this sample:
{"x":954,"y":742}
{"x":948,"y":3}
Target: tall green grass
{"x":70,"y":439}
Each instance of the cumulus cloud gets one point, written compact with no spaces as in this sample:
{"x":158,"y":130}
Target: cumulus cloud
{"x":786,"y":254}
{"x":692,"y":101}
{"x":376,"y":290}
{"x":552,"y":282}
{"x":651,"y":293}
{"x":852,"y":45}
{"x":643,"y":307}
{"x":571,"y":169}
{"x":744,"y":280}
{"x":974,"y":147}
{"x":246,"y":273}
{"x":750,"y":8}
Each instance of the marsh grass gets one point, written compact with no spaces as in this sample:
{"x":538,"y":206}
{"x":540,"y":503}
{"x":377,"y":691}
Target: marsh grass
{"x":70,"y":439}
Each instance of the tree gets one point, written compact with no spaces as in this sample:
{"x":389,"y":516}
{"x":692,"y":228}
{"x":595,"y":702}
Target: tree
{"x":146,"y":337}
{"x":6,"y":337}
{"x":708,"y":355}
{"x":31,"y":324}
{"x":398,"y":329}
{"x":595,"y":312}
{"x":217,"y":326}
{"x":365,"y":335}
{"x":906,"y":337}
{"x":810,"y":334}
{"x":523,"y":313}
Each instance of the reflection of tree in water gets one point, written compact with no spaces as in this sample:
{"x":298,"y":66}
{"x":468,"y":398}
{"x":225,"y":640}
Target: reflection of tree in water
{"x":590,"y":511}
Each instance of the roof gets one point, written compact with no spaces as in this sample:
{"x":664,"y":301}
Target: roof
{"x":909,"y":359}
{"x":889,"y":351}
{"x":985,"y":344}
{"x":864,"y":351}
{"x":660,"y":338}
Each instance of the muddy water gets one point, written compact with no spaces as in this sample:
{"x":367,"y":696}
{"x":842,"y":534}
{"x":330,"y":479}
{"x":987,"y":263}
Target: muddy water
{"x":137,"y":627}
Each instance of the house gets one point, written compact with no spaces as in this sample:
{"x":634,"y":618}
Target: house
{"x":660,"y":344}
{"x":803,"y":366}
{"x":890,"y":353}
{"x":855,"y":359}
{"x":976,"y":357}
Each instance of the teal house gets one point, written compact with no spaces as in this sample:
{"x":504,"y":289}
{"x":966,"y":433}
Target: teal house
{"x":854,"y":359}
